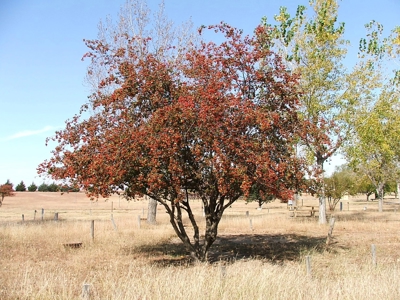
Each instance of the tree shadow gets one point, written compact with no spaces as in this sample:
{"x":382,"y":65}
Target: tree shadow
{"x":276,"y":248}
{"x":168,"y":253}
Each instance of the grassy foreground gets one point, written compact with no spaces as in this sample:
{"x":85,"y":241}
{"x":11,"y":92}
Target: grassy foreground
{"x":259,"y":256}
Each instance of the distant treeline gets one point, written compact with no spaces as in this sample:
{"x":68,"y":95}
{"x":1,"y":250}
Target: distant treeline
{"x":44,"y":187}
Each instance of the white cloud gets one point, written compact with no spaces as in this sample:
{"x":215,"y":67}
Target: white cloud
{"x":26,"y":133}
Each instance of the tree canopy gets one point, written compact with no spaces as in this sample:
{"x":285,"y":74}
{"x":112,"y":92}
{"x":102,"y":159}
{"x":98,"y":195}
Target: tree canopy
{"x":313,"y":45}
{"x":20,"y":187}
{"x":152,"y":31}
{"x":33,"y":187}
{"x":374,"y":148}
{"x":341,"y":183}
{"x":6,"y":190}
{"x":216,"y":122}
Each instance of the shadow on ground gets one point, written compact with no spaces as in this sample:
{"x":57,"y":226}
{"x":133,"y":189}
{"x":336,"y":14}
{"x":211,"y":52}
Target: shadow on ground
{"x":275,"y":248}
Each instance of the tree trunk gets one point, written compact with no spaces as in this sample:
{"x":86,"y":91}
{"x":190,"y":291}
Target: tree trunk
{"x":398,"y":190}
{"x":296,"y":199}
{"x":152,"y":211}
{"x":322,"y":200}
{"x":199,"y":254}
{"x":260,"y":203}
{"x":380,"y":194}
{"x":369,"y":195}
{"x":197,"y":247}
{"x":201,"y":250}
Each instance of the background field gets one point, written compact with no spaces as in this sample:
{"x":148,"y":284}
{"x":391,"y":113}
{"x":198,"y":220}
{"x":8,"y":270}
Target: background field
{"x":259,"y":254}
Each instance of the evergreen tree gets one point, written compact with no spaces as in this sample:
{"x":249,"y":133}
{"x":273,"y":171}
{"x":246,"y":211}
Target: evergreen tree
{"x":21,"y":187}
{"x":53,"y":187}
{"x":33,"y":187}
{"x":43,"y":187}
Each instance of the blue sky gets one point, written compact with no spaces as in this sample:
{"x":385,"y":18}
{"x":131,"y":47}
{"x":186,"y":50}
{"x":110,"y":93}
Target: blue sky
{"x":42,"y":75}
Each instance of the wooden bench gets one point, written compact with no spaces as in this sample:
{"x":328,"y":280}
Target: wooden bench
{"x":305,"y":211}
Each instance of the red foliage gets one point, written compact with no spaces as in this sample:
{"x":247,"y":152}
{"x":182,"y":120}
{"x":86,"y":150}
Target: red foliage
{"x":216,"y":121}
{"x":5,"y":191}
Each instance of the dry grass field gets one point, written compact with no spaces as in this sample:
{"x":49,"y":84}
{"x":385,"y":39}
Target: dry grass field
{"x":130,"y":261}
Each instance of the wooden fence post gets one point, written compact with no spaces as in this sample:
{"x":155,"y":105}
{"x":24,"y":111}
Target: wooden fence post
{"x":247,"y":213}
{"x":223,"y":271}
{"x":112,"y":221}
{"x":373,"y":252}
{"x":92,"y":229}
{"x":138,"y":218}
{"x":56,"y":216}
{"x":308,"y":265}
{"x":42,"y":214}
{"x":23,"y":218}
{"x":312,"y":212}
{"x":86,"y":291}
{"x":251,"y":224}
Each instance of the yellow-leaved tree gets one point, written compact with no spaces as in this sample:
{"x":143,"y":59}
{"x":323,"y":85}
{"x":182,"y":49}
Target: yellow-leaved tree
{"x":375,"y":147}
{"x":313,"y":45}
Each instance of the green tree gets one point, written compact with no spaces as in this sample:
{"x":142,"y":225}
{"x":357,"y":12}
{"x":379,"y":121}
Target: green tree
{"x":339,"y":184}
{"x":313,"y":44}
{"x":65,"y":188}
{"x":363,"y":185}
{"x":391,"y":187}
{"x":20,"y":187}
{"x":43,"y":187}
{"x":371,"y":151}
{"x":53,"y":187}
{"x":258,"y":195}
{"x":375,"y":147}
{"x":33,"y":187}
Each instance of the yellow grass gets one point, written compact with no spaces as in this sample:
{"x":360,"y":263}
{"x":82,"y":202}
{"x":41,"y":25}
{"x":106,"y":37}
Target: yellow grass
{"x":264,"y":261}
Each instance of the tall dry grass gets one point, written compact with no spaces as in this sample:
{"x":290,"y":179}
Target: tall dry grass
{"x":265,"y":261}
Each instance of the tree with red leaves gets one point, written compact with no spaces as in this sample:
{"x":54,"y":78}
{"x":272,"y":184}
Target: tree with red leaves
{"x":6,"y":190}
{"x":136,"y":19}
{"x":215,"y":122}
